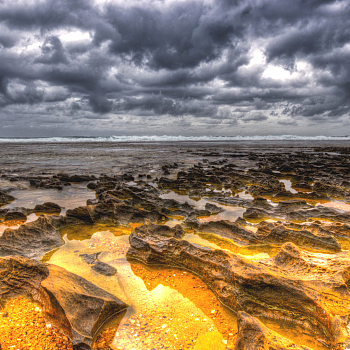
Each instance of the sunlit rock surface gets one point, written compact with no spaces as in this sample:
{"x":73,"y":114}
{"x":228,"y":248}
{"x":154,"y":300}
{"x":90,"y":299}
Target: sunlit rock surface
{"x":253,"y":335}
{"x":76,"y":306}
{"x":86,"y":307}
{"x":271,"y":233}
{"x":309,"y":289}
{"x":157,"y":296}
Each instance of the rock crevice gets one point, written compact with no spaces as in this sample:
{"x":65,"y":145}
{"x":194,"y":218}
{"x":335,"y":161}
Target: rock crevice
{"x":303,"y":287}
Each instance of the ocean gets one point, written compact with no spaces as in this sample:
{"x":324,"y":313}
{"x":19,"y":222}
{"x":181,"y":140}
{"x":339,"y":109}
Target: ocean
{"x":135,"y":154}
{"x":167,"y":138}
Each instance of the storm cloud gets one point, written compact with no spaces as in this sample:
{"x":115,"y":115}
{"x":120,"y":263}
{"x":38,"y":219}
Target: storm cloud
{"x":190,"y":67}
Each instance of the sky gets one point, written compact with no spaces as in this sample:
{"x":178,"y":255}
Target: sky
{"x":174,"y":67}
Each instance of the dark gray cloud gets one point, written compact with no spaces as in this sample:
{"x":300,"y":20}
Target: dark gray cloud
{"x":7,"y":40}
{"x":181,"y":37}
{"x":195,"y":65}
{"x":52,"y":52}
{"x":100,"y":104}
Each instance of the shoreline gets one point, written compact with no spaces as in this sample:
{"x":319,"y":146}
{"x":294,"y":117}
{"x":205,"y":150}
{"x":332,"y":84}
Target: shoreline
{"x":195,"y":208}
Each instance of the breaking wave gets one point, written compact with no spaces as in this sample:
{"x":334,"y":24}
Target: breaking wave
{"x":172,"y":139}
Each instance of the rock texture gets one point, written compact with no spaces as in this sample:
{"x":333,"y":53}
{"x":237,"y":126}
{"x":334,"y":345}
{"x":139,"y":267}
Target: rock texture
{"x":273,"y":233}
{"x":253,"y":335}
{"x":33,"y":239}
{"x":231,"y":230}
{"x":15,"y":216}
{"x":5,"y":198}
{"x":21,"y":276}
{"x":305,"y":288}
{"x":286,"y":212}
{"x":308,"y":289}
{"x":76,"y":306}
{"x":86,"y":307}
{"x":21,"y":213}
{"x":47,"y":207}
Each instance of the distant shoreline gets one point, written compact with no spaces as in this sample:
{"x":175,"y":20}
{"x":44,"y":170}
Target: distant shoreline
{"x":166,"y":138}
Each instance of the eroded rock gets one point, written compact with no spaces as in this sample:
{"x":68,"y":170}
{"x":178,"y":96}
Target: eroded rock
{"x":303,"y":238}
{"x":75,"y":178}
{"x":48,"y":183}
{"x":253,"y":335}
{"x":80,"y":213}
{"x":103,"y":268}
{"x":32,"y":239}
{"x":15,"y":215}
{"x":48,"y":208}
{"x":268,"y":233}
{"x":86,"y":307}
{"x":117,"y":211}
{"x":76,"y":306}
{"x":5,"y":198}
{"x":296,"y":210}
{"x":231,"y":230}
{"x":213,"y":209}
{"x":291,"y":285}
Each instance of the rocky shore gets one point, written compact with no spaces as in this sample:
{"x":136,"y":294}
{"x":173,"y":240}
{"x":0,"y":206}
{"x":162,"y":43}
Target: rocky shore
{"x":294,"y":204}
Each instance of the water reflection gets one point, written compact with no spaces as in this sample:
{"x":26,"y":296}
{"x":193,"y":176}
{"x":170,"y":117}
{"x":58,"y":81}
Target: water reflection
{"x":83,"y":232}
{"x":169,"y":308}
{"x":288,"y":186}
{"x":68,"y":257}
{"x":213,"y":241}
{"x":231,"y":213}
{"x":245,"y":195}
{"x":198,"y":319}
{"x":336,"y":205}
{"x":198,"y":204}
{"x":70,"y":197}
{"x":15,"y":224}
{"x":6,"y":184}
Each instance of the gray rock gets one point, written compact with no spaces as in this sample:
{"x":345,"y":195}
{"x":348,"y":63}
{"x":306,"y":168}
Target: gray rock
{"x":98,"y":266}
{"x":33,"y":239}
{"x":104,"y":269}
{"x":15,"y":215}
{"x":5,"y":198}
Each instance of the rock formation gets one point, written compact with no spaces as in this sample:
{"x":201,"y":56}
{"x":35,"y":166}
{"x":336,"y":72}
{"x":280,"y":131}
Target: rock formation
{"x":33,"y":239}
{"x":305,"y":288}
{"x":74,"y":305}
{"x":5,"y":198}
{"x":253,"y":335}
{"x":270,"y":233}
